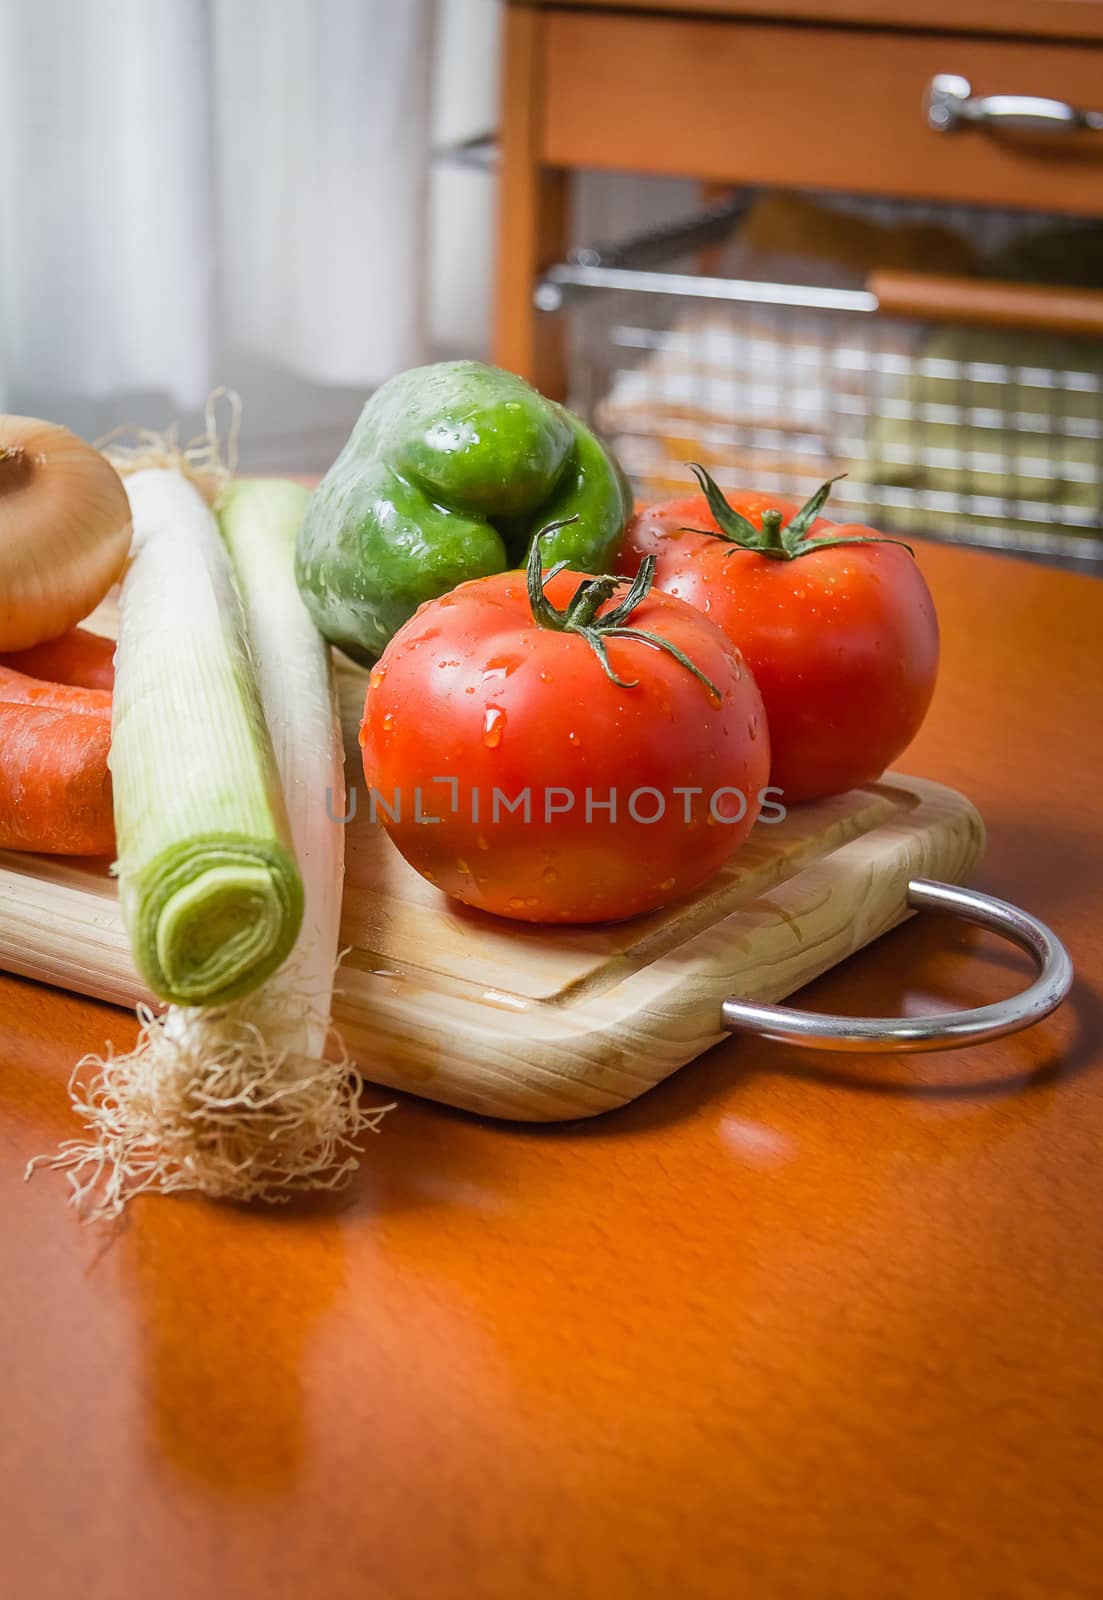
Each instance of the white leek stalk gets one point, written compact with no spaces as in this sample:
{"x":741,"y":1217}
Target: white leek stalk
{"x":239,"y":1101}
{"x":260,"y":520}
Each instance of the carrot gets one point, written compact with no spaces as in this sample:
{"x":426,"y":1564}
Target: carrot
{"x":77,"y":657}
{"x":19,"y":689}
{"x":55,"y":789}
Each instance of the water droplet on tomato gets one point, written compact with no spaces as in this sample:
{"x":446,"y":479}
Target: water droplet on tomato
{"x":377,"y":676}
{"x":493,"y":724}
{"x":388,"y":723}
{"x":461,"y":866}
{"x":573,"y":738}
{"x":550,"y":875}
{"x":515,"y":903}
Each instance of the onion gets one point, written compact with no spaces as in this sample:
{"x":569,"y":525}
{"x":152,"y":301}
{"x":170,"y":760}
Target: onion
{"x":64,"y":530}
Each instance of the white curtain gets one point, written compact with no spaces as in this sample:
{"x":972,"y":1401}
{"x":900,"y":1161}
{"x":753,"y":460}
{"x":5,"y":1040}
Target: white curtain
{"x":186,"y":185}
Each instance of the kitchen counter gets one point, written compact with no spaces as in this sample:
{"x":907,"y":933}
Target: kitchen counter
{"x":790,"y":1326}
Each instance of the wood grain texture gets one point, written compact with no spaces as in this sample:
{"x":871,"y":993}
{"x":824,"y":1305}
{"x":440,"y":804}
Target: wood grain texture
{"x":933,"y":297}
{"x":515,"y":1021}
{"x":837,"y":108}
{"x":532,"y":214}
{"x":1062,"y":19}
{"x":782,"y":1329}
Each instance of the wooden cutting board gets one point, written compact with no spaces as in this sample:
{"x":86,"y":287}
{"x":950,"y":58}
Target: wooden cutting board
{"x":515,"y":1021}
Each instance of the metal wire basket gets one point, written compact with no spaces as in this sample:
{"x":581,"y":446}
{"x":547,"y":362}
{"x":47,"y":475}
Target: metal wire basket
{"x":984,"y":426}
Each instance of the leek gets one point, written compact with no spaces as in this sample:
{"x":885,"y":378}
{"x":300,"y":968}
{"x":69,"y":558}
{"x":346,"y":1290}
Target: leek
{"x":208,"y":885}
{"x":260,"y":520}
{"x":253,"y":1098}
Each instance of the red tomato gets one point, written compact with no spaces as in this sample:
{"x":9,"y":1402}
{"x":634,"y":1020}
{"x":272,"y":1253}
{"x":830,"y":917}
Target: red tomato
{"x":637,"y":792}
{"x":841,"y":636}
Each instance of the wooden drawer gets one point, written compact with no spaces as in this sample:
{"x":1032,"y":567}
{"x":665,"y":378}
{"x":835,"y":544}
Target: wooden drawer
{"x":732,"y":101}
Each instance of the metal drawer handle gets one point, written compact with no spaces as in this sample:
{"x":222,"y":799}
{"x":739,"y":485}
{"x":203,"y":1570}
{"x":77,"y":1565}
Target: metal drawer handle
{"x":949,"y":1029}
{"x":950,"y":103}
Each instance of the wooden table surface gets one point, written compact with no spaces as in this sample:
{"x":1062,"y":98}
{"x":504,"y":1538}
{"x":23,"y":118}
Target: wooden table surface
{"x":788,"y":1327}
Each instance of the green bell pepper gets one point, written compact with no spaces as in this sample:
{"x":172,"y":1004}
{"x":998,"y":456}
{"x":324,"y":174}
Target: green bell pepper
{"x":449,"y":473}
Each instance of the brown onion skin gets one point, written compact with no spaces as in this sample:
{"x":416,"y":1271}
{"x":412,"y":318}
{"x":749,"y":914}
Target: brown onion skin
{"x":64,"y":530}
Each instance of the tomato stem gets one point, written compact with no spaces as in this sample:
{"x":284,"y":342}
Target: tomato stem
{"x":771,"y":532}
{"x":582,"y":613}
{"x":777,"y":539}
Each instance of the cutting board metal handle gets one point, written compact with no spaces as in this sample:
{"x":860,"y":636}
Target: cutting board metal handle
{"x":947,"y":1030}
